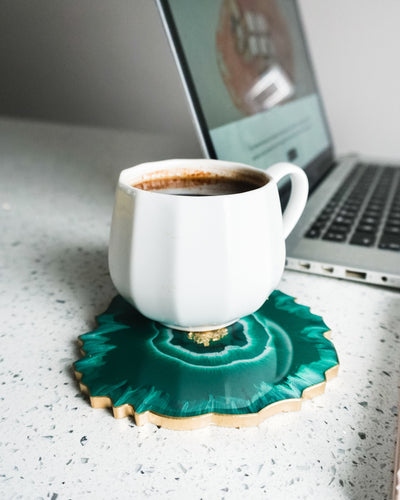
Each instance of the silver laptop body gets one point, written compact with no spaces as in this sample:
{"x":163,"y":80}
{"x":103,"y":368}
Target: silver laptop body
{"x":251,"y":90}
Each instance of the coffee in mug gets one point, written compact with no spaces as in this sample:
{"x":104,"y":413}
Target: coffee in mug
{"x":198,"y":184}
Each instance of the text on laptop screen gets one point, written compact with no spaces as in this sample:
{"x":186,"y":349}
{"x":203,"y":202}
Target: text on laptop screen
{"x":253,"y":79}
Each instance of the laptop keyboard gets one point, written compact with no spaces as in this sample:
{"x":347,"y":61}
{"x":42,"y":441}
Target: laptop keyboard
{"x":364,"y":211}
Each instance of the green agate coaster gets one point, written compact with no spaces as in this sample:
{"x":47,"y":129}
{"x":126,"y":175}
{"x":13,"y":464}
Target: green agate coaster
{"x":263,"y":364}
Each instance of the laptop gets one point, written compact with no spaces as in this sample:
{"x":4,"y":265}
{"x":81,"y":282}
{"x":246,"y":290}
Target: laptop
{"x":252,"y":93}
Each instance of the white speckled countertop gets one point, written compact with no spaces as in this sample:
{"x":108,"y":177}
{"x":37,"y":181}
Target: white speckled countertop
{"x":56,"y":195}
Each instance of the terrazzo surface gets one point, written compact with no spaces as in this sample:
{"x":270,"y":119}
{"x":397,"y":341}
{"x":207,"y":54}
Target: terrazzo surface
{"x":56,"y":195}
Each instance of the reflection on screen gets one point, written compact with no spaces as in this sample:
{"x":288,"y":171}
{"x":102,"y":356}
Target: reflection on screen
{"x":253,"y":79}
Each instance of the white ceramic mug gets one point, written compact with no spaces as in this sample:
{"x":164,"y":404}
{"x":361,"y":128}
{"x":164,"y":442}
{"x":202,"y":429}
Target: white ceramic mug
{"x":201,"y":262}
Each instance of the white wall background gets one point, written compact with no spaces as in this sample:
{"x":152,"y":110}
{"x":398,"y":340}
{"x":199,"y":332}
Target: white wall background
{"x":355,"y":46}
{"x":95,"y":62}
{"x":106,"y":63}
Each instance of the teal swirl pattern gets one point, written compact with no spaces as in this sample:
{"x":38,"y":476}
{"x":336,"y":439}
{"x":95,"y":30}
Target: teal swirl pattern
{"x":269,"y":356}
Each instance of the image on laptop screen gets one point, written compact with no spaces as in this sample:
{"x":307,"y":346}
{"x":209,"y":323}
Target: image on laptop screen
{"x":252,"y":79}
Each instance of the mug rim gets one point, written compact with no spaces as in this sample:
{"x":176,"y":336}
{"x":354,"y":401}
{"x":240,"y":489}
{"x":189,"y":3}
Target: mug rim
{"x":214,"y":167}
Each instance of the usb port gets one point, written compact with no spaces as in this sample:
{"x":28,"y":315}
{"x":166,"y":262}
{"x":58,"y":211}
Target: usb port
{"x":356,"y":274}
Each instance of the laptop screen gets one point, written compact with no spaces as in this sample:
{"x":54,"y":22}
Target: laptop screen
{"x":247,"y":71}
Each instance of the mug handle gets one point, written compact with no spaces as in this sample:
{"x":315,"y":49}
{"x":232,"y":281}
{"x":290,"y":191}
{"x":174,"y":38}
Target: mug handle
{"x":298,"y":194}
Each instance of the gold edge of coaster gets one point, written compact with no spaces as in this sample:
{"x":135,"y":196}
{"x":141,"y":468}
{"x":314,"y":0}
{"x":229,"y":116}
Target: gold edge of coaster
{"x":218,"y":419}
{"x":318,"y":389}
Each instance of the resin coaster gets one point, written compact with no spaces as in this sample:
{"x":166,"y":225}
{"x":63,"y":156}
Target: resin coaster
{"x":266,"y":363}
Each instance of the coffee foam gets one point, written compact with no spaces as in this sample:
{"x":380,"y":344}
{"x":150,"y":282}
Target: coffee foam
{"x":154,"y":179}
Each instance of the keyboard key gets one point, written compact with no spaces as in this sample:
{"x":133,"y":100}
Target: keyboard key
{"x":319,"y":224}
{"x":327,"y":212}
{"x":392,"y":230}
{"x":375,"y":206}
{"x":333,"y":236}
{"x":363,"y":239}
{"x":331,"y":205}
{"x":372,"y":213}
{"x":366,"y":228}
{"x":324,"y":217}
{"x":370,"y":220}
{"x":392,"y":222}
{"x":351,"y":205}
{"x":339,"y":228}
{"x":346,"y":221}
{"x":347,"y":213}
{"x":390,"y":242}
{"x":389,"y":246}
{"x":313,"y":233}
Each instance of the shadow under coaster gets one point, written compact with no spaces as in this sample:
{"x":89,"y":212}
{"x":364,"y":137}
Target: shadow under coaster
{"x":265,"y":363}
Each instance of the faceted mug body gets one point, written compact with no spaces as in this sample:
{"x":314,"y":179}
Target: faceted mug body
{"x":197,"y":262}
